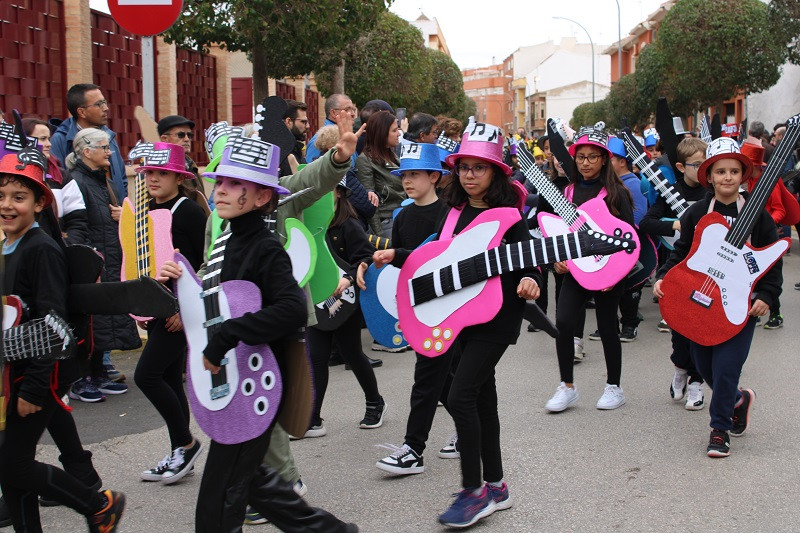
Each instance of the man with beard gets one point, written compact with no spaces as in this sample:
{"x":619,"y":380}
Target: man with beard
{"x":296,"y":120}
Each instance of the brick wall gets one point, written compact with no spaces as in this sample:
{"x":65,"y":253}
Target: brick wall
{"x":197,"y":89}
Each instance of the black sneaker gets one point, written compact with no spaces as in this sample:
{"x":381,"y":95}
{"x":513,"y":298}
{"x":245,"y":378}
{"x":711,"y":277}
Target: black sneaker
{"x":595,"y":335}
{"x":5,"y":517}
{"x":719,"y":445}
{"x":797,"y":286}
{"x":532,"y":328}
{"x":403,"y":460}
{"x":373,"y":418}
{"x":182,"y":461}
{"x":628,"y":334}
{"x":775,"y":321}
{"x":107,"y":519}
{"x":741,"y":414}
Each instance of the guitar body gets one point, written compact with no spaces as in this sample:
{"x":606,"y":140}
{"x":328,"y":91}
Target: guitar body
{"x":159,"y":243}
{"x":669,"y":240}
{"x":648,"y":258}
{"x":333,"y":312}
{"x":597,"y":272}
{"x":302,"y":250}
{"x":431,"y":327}
{"x":325,"y":279}
{"x":707,"y":295}
{"x":253,"y":376}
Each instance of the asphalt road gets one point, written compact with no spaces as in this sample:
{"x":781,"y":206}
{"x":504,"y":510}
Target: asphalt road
{"x":639,"y":468}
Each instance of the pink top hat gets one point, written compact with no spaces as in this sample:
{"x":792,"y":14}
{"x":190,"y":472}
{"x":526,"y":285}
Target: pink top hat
{"x":165,"y":156}
{"x":592,"y":137}
{"x":482,"y":141}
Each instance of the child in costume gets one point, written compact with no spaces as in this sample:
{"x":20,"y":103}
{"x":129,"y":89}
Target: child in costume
{"x":686,"y":381}
{"x":159,"y":372}
{"x":482,"y":184}
{"x":420,"y":172}
{"x":724,"y":171}
{"x":243,"y":193}
{"x":592,"y":176}
{"x":348,"y":240}
{"x":36,"y":271}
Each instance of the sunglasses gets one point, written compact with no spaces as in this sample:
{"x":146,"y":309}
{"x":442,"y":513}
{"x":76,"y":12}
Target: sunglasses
{"x":183,"y":134}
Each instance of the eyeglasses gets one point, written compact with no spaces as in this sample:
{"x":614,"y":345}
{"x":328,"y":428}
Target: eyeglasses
{"x":580,"y":158}
{"x":477,"y":170}
{"x":693,"y":165}
{"x":301,"y":120}
{"x":100,"y":104}
{"x":351,"y":110}
{"x":105,"y":147}
{"x":183,"y":134}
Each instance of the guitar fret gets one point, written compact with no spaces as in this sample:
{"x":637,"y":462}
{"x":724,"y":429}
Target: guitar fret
{"x":498,"y":266}
{"x":437,"y":286}
{"x":508,"y":255}
{"x":456,"y":277}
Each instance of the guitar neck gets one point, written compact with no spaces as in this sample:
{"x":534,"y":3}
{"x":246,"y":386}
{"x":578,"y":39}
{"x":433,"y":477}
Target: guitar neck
{"x":33,"y":340}
{"x":705,"y":131}
{"x":496,"y":261}
{"x":213,"y":311}
{"x":142,"y":236}
{"x":651,"y":171}
{"x":546,"y":188}
{"x":743,"y":226}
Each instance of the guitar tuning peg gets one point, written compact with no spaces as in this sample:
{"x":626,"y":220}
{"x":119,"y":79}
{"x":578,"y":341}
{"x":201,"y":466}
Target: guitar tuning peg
{"x":259,"y":118}
{"x":257,"y":127}
{"x":260,"y":108}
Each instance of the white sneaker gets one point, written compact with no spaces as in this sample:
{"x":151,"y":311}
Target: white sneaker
{"x":678,"y":386}
{"x":563,"y":398}
{"x":612,"y":398}
{"x":695,"y":400}
{"x":579,"y":352}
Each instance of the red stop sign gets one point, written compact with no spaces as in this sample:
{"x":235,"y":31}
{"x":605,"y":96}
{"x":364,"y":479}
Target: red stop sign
{"x":145,"y":17}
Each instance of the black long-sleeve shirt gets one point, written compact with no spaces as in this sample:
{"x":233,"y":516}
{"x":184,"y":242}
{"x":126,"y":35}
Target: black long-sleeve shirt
{"x":764,"y":233}
{"x":349,"y":241}
{"x":412,"y":225}
{"x":254,"y":254}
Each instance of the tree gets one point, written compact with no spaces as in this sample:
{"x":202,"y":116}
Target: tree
{"x":446,"y":96}
{"x":785,"y":20}
{"x":624,"y":101}
{"x":282,"y":38}
{"x":388,"y":62}
{"x":712,"y":48}
{"x":588,"y":114}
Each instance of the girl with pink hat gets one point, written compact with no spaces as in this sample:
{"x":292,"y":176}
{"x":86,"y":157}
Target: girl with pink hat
{"x":159,"y":370}
{"x":592,"y":176}
{"x":481,"y":184}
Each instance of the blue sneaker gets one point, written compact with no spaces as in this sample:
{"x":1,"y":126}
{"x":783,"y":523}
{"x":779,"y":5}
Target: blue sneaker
{"x":112,"y":373}
{"x":502,"y":499}
{"x":106,"y":386}
{"x":468,"y":508}
{"x":86,"y":391}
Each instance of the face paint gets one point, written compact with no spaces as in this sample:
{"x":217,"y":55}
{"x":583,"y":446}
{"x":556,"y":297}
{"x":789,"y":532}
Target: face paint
{"x":242,"y":199}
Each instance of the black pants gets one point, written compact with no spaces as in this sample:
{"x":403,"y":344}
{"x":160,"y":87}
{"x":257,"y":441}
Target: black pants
{"x":433,"y":377}
{"x":629,"y":307}
{"x":75,"y":460}
{"x":234,"y":476}
{"x":23,"y":479}
{"x":682,"y":358}
{"x":348,"y":337}
{"x":159,"y":374}
{"x":473,"y":406}
{"x":543,"y":299}
{"x":572,"y":304}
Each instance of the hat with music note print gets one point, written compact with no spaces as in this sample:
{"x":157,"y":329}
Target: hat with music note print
{"x":250,"y":160}
{"x":31,"y":164}
{"x":723,"y":148}
{"x":165,"y":156}
{"x":591,"y":136}
{"x":481,"y":141}
{"x":420,"y":156}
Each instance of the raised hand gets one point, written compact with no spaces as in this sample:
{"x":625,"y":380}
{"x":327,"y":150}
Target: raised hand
{"x":346,"y":146}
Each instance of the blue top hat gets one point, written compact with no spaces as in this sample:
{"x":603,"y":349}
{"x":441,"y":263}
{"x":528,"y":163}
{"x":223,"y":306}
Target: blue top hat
{"x":650,"y":140}
{"x":617,"y":147}
{"x":422,"y":156}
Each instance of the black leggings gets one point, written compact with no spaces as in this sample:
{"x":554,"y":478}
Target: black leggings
{"x":473,"y":406}
{"x":23,"y":478}
{"x":348,"y":337}
{"x":543,"y":299}
{"x":159,"y":374}
{"x":571,"y":304}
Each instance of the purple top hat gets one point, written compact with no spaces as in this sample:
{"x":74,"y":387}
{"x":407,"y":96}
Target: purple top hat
{"x":251,"y":160}
{"x":482,"y":141}
{"x":162,"y":156}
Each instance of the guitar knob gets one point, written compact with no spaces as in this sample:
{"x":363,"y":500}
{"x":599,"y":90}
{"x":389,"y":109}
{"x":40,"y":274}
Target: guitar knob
{"x":627,"y":236}
{"x":248,"y":387}
{"x":261,"y":405}
{"x":255,"y":361}
{"x":268,"y":380}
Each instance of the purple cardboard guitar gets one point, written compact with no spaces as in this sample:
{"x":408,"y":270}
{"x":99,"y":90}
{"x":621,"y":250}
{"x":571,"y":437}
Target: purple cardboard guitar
{"x":240,"y":402}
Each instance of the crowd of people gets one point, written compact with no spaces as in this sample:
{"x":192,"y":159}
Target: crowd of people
{"x":395,"y":185}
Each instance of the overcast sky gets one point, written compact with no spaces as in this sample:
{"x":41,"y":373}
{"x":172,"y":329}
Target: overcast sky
{"x":478,"y":30}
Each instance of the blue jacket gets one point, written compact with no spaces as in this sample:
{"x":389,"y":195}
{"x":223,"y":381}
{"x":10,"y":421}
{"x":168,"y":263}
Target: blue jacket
{"x":312,"y":152}
{"x":634,"y":185}
{"x":62,"y":146}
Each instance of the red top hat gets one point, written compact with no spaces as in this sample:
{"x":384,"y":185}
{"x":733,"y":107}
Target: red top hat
{"x":25,"y":163}
{"x":722,"y":148}
{"x":755,"y":152}
{"x":166,"y":156}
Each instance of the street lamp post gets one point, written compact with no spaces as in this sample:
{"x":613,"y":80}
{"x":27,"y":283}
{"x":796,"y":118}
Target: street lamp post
{"x":590,"y":42}
{"x":619,"y":41}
